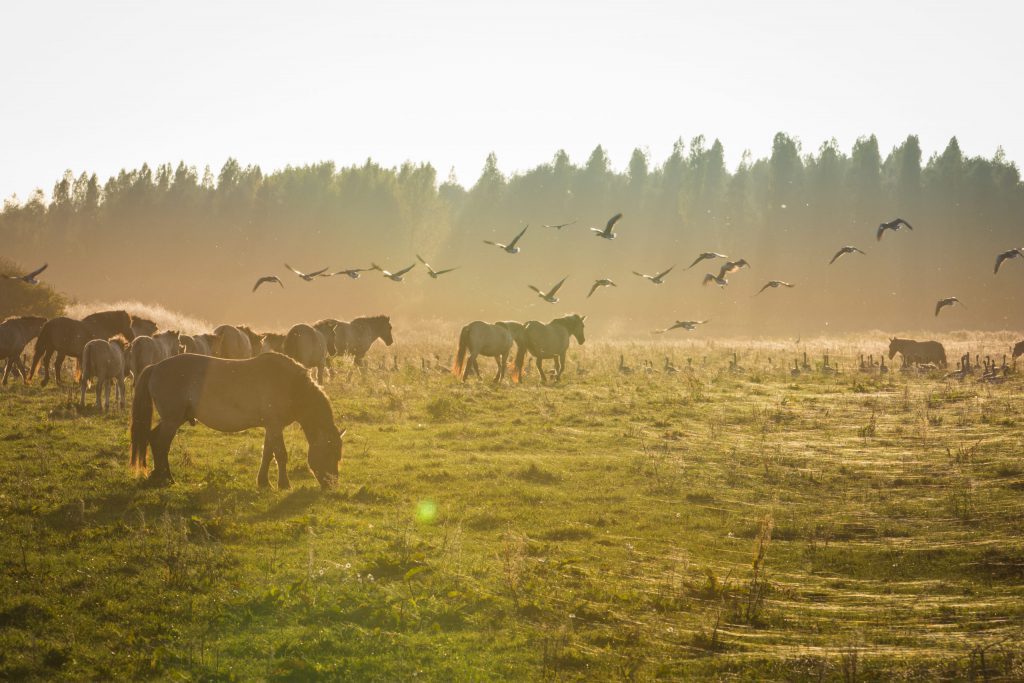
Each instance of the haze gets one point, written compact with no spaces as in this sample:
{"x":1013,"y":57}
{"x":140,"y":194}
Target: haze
{"x":102,"y":86}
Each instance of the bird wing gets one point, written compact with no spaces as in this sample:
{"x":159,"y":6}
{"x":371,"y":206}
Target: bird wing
{"x":642,"y":275}
{"x":858,"y":250}
{"x":521,"y":233}
{"x":612,"y":221}
{"x":725,"y":269}
{"x":763,"y":288}
{"x":420,"y":259}
{"x":494,"y":244}
{"x":939,"y":305}
{"x":258,"y":283}
{"x":317,"y":272}
{"x":593,"y":289}
{"x":708,"y":277}
{"x":661,"y":275}
{"x":36,"y":272}
{"x":403,"y":271}
{"x":999,"y":259}
{"x":442,"y":272}
{"x":556,"y":287}
{"x":881,"y":230}
{"x":900,"y":221}
{"x":535,"y":289}
{"x":698,"y":260}
{"x":838,"y":254}
{"x":294,"y":271}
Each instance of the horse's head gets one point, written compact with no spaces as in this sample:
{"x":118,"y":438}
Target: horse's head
{"x":1018,"y":349}
{"x":142,"y":326}
{"x":894,"y":347}
{"x":576,"y":327}
{"x":383,"y":324}
{"x":325,"y":455}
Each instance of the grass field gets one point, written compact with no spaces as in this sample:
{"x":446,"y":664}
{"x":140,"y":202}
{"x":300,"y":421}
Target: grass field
{"x":708,"y":523}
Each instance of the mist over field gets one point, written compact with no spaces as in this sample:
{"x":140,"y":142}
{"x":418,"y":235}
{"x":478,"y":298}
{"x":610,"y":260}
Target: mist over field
{"x":195,"y":240}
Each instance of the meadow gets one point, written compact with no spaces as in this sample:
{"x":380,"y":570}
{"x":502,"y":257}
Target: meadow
{"x":729,"y":520}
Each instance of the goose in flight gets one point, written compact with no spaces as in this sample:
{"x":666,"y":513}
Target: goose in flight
{"x":267,"y":278}
{"x":607,"y":232}
{"x":688,"y":325}
{"x":775,"y":284}
{"x":603,"y":282}
{"x":848,"y":249}
{"x":732,"y":267}
{"x":706,"y":255}
{"x":397,"y":276}
{"x":549,"y":296}
{"x":1013,"y":253}
{"x":29,"y":278}
{"x":511,"y":246}
{"x":656,"y":279}
{"x":435,"y":273}
{"x":308,"y":277}
{"x":717,"y":279}
{"x":351,"y":272}
{"x":948,"y":301}
{"x":893,"y":225}
{"x":559,"y":226}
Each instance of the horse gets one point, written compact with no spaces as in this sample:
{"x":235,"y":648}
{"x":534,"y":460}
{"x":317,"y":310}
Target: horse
{"x":231,"y":343}
{"x":356,"y":337}
{"x":307,"y":346}
{"x":482,"y":339}
{"x":143,"y":327}
{"x":15,"y":334}
{"x":326,"y":328}
{"x":272,"y":341}
{"x":1018,"y":350}
{"x":270,"y":391}
{"x":106,"y":360}
{"x":148,"y":350}
{"x":199,"y":344}
{"x":917,"y":353}
{"x":255,"y":340}
{"x":548,"y":341}
{"x":67,"y":337}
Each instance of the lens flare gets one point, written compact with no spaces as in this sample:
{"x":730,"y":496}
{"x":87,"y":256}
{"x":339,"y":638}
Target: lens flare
{"x":426,"y":511}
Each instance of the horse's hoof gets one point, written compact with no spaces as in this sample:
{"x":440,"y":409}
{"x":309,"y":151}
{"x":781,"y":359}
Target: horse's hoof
{"x":283,"y":485}
{"x":159,"y":479}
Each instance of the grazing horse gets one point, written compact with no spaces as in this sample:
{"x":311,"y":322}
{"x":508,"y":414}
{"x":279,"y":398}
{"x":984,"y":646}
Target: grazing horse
{"x":143,"y":327}
{"x":231,"y":343}
{"x":917,"y":353}
{"x":106,"y":361}
{"x":272,"y":341}
{"x":482,"y":339}
{"x":15,"y":333}
{"x":307,"y":346}
{"x":270,"y":391}
{"x":1018,"y":350}
{"x":199,"y":344}
{"x":67,"y":337}
{"x":548,"y":341}
{"x":148,"y":350}
{"x":356,"y":337}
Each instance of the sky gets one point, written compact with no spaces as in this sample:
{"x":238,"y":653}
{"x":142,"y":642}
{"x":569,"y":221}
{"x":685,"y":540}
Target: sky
{"x":107,"y":85}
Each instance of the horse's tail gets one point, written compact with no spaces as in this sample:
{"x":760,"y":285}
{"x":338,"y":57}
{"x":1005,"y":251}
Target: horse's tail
{"x":517,"y":371}
{"x":85,"y":366}
{"x":142,"y":419}
{"x":460,"y":357}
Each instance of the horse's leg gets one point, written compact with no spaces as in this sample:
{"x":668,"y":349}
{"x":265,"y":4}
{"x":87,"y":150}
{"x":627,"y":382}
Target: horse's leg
{"x":58,"y":365}
{"x":47,"y":355}
{"x":469,"y":365}
{"x":83,"y":385}
{"x":281,"y":455}
{"x":120,"y":392}
{"x":7,"y":371}
{"x":561,"y":365}
{"x":160,"y":441}
{"x":263,"y":476}
{"x":500,"y":360}
{"x":106,"y":394}
{"x":540,"y":369}
{"x":517,"y":370}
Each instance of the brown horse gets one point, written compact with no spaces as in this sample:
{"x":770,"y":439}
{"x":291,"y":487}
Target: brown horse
{"x":231,"y":343}
{"x":356,"y":337}
{"x":106,"y":361}
{"x":200,"y":344}
{"x":67,"y":337}
{"x":255,"y":340}
{"x":15,"y":334}
{"x":917,"y":353}
{"x":307,"y":346}
{"x":548,"y":341}
{"x":272,"y":341}
{"x":146,"y":350}
{"x":326,"y":328}
{"x":482,"y":339}
{"x":270,"y":391}
{"x":142,"y":326}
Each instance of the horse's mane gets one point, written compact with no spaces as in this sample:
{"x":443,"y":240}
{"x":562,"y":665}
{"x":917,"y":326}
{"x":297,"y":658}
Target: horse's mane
{"x":119,"y":340}
{"x":106,"y":315}
{"x":22,"y":317}
{"x":371,"y":320}
{"x":304,"y":390}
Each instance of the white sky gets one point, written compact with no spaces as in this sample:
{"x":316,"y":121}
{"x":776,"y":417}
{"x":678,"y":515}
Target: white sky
{"x":104,"y":85}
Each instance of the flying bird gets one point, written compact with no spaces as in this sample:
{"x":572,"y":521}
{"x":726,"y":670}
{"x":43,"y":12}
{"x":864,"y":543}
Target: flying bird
{"x":948,"y":301}
{"x":732,"y":267}
{"x":435,"y":273}
{"x":267,"y":278}
{"x":29,"y":278}
{"x":397,"y":276}
{"x":775,"y":284}
{"x":717,"y":279}
{"x":656,"y":279}
{"x":559,"y":226}
{"x":1013,"y":253}
{"x":893,"y":225}
{"x":607,"y":232}
{"x":351,"y":272}
{"x":688,"y":325}
{"x":845,"y":250}
{"x":706,"y":255}
{"x":603,"y":282}
{"x":549,"y":296}
{"x":308,"y":277}
{"x":511,"y":246}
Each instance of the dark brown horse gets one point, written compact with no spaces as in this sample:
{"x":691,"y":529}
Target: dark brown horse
{"x":143,"y":327}
{"x":548,"y":341}
{"x":15,"y":334}
{"x":356,"y":337}
{"x":326,"y":328}
{"x":918,"y":353}
{"x":270,"y":391}
{"x":67,"y":337}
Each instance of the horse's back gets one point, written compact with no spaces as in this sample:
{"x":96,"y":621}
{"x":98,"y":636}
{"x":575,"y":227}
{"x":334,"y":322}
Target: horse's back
{"x":305,"y":345}
{"x":232,"y":343}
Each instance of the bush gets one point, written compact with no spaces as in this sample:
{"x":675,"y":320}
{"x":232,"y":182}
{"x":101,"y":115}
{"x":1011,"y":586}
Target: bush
{"x":18,"y":298}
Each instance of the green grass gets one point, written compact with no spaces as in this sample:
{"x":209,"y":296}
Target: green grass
{"x":602,"y":528}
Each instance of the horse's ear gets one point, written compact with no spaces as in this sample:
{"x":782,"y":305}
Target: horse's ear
{"x":341,"y":433}
{"x":583,"y":318}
